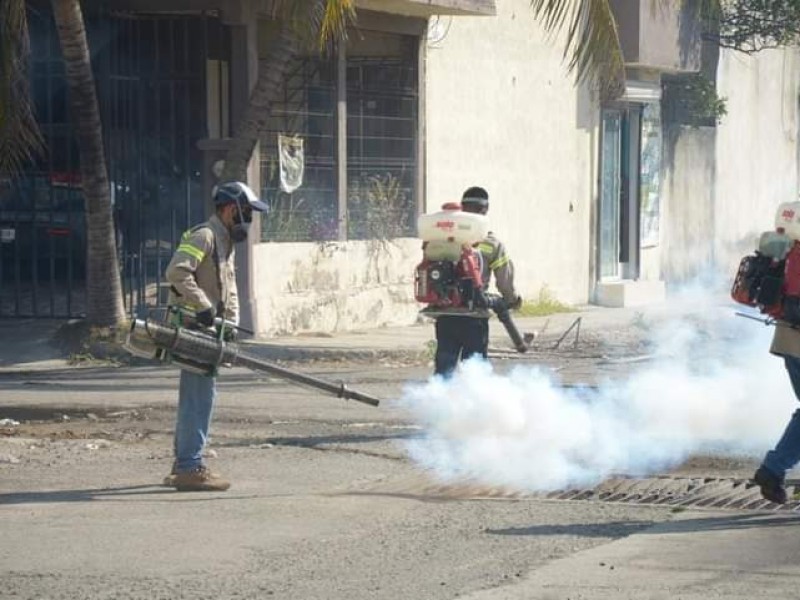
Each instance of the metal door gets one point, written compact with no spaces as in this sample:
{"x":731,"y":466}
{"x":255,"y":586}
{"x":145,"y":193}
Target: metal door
{"x":155,"y":100}
{"x":150,"y":73}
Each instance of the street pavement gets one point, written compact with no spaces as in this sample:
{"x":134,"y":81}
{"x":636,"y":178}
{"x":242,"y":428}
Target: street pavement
{"x":544,"y":550}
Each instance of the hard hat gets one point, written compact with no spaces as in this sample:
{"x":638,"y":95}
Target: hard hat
{"x":238,"y":193}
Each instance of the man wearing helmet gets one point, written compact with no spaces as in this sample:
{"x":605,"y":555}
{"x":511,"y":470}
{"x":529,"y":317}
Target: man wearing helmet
{"x":463,"y":337}
{"x":203,"y":282}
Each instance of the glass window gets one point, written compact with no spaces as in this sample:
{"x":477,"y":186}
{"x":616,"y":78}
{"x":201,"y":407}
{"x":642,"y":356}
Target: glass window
{"x":649,"y":179}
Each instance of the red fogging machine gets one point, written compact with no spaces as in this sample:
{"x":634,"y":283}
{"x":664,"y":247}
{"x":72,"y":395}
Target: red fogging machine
{"x":449,"y":277}
{"x":769,"y":279}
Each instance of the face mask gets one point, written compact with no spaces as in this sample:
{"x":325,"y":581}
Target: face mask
{"x":241,"y":226}
{"x":239,"y":232}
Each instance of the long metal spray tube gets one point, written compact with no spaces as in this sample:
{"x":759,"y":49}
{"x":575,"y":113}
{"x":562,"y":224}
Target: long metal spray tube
{"x":203,"y":352}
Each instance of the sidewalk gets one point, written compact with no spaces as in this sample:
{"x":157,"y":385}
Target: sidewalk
{"x":26,"y":342}
{"x":696,"y":556}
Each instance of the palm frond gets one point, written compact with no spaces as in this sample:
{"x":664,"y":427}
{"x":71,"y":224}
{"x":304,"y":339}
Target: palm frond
{"x":319,"y":24}
{"x":19,"y":134}
{"x":593,"y":45}
{"x":338,"y":13}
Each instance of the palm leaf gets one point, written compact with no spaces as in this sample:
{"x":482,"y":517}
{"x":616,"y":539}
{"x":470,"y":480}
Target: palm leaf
{"x":593,"y":45}
{"x":320,"y":24}
{"x":19,"y":134}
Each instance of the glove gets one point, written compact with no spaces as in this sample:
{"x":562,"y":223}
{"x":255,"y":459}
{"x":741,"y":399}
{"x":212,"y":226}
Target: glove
{"x":516,"y":304}
{"x":229,"y":334}
{"x":206,"y":317}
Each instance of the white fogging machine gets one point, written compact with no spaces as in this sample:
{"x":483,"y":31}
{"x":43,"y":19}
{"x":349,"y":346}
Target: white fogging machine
{"x":204,"y":351}
{"x":769,"y":279}
{"x":449,"y":277}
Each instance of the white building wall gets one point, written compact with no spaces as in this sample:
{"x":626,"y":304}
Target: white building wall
{"x":334,"y":286}
{"x":723,"y":185}
{"x":503,"y":113}
{"x":756,"y":156}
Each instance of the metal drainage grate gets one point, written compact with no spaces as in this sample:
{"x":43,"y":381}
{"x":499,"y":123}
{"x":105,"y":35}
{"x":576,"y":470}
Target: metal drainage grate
{"x":718,"y":493}
{"x":702,"y":492}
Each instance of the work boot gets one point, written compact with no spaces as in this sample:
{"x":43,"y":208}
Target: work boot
{"x":200,"y":480}
{"x":771,"y":485}
{"x":169,"y":480}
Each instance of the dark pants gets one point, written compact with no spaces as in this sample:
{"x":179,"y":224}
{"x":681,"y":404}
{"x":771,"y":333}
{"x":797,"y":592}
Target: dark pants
{"x":459,"y":337}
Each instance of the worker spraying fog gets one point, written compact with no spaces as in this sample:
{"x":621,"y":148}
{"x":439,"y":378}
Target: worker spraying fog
{"x":526,"y":431}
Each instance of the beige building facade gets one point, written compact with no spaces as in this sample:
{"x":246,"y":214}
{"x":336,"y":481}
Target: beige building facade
{"x":496,"y":107}
{"x":598,"y":201}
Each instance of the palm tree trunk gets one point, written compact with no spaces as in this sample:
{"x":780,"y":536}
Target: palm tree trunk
{"x":270,"y":79}
{"x":104,"y":288}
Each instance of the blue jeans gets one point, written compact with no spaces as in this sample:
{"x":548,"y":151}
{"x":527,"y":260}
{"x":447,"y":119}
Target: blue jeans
{"x":195,"y":405}
{"x":787,"y":451}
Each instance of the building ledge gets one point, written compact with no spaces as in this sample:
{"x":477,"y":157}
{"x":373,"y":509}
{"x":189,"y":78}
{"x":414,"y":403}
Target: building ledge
{"x":619,"y":294}
{"x":428,"y":8}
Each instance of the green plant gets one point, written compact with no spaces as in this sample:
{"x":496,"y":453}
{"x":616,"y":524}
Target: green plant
{"x":377,"y":208}
{"x":545,"y":304}
{"x":693,"y":100}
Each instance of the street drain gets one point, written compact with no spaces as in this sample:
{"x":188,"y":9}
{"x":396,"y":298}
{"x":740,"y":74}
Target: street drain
{"x":682,"y":492}
{"x":719,"y":493}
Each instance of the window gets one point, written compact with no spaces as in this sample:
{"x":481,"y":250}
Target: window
{"x":365,"y":187}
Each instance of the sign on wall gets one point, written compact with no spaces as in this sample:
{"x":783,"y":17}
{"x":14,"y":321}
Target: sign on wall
{"x":292,"y":162}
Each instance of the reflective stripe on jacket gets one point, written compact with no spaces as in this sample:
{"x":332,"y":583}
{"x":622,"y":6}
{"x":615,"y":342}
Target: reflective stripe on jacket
{"x":202,"y":270}
{"x":495,"y":259}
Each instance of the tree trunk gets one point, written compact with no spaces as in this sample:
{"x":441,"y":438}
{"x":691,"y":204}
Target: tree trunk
{"x":103,"y":285}
{"x":271,"y":73}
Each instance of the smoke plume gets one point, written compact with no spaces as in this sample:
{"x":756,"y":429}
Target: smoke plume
{"x":711,"y":387}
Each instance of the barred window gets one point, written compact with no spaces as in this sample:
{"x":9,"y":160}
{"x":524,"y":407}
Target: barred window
{"x":362,"y":186}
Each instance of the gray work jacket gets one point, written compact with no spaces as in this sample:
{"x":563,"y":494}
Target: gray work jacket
{"x":202,"y":271}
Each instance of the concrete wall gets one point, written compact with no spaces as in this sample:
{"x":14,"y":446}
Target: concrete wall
{"x":687,"y":240}
{"x":663,"y":36}
{"x":722,"y":185}
{"x":503,"y":113}
{"x":334,"y":286}
{"x":756,"y":147}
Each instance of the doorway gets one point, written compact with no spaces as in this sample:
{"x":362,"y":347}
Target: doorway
{"x":619,"y":207}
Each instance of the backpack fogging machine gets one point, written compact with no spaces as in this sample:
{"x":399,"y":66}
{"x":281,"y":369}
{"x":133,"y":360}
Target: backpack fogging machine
{"x":769,"y":278}
{"x":204,"y":351}
{"x":449,"y":277}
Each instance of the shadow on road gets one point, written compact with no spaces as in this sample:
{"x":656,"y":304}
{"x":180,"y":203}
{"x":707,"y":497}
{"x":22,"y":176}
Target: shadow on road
{"x":732,"y":522}
{"x":117,"y":493}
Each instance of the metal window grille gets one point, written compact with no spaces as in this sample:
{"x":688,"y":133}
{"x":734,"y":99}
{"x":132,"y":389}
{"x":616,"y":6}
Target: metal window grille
{"x":305,"y":107}
{"x":150,"y":73}
{"x":381,"y":95}
{"x":42,"y":224}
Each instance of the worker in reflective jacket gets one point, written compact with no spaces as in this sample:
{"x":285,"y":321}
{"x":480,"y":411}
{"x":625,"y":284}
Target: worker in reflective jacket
{"x":203,"y":280}
{"x":461,"y":337}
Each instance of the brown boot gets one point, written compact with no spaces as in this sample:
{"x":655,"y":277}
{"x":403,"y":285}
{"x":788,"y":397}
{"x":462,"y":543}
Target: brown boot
{"x":169,"y":480}
{"x":200,"y":480}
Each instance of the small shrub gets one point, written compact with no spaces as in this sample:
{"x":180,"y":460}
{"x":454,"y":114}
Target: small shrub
{"x":545,"y":304}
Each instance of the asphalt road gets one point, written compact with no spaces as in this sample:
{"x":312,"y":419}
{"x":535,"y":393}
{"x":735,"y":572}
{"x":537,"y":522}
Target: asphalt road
{"x":324,"y":504}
